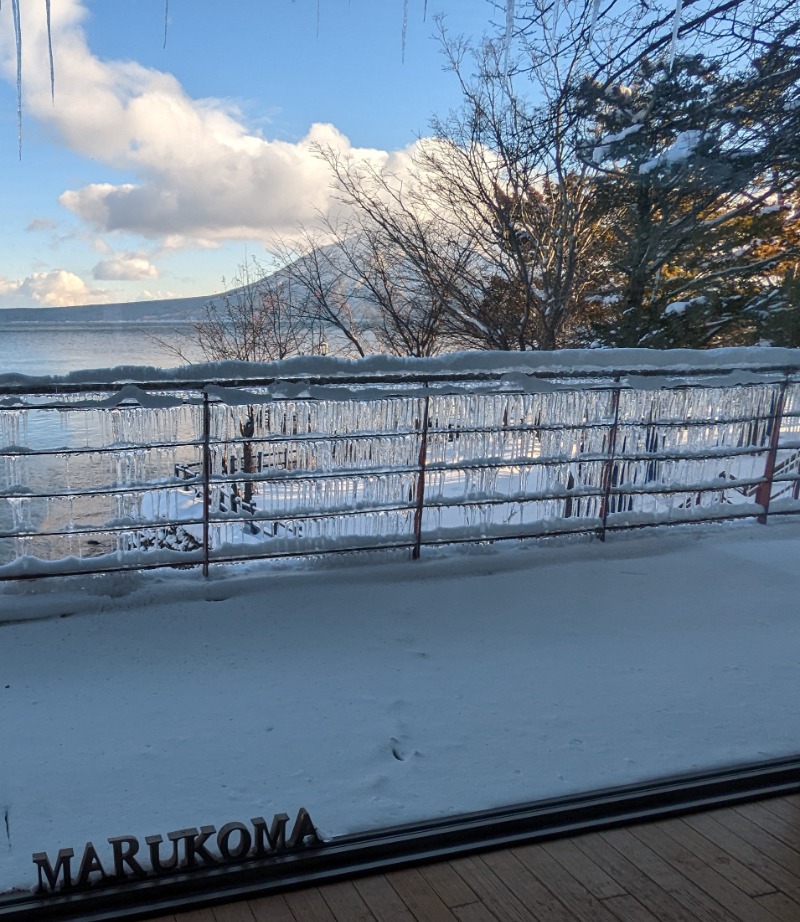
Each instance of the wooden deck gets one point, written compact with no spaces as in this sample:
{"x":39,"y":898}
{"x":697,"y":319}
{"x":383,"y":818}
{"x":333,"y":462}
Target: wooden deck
{"x":738,"y":864}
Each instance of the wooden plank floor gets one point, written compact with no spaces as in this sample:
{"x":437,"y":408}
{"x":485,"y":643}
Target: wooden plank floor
{"x":738,"y":864}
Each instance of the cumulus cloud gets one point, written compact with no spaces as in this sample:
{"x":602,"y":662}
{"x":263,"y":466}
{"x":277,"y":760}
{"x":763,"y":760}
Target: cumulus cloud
{"x":199,"y":173}
{"x":125,"y":267}
{"x":57,"y":288}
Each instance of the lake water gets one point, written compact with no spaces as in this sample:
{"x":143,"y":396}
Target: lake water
{"x":45,"y":348}
{"x":55,"y":349}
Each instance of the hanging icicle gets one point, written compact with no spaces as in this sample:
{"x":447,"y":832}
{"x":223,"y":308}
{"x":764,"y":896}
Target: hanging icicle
{"x":509,"y":33}
{"x":318,"y":17}
{"x":18,"y":37}
{"x":166,"y":18}
{"x":675,"y":26}
{"x":50,"y":50}
{"x":425,"y":11}
{"x":595,"y":16}
{"x":405,"y":30}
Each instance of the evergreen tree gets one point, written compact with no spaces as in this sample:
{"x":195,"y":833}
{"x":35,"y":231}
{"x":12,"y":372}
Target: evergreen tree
{"x":697,"y":172}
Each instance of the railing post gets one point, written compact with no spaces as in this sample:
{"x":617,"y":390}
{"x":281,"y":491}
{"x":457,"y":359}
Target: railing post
{"x":608,"y":467}
{"x":764,"y":491}
{"x":206,"y":480}
{"x":423,"y":457}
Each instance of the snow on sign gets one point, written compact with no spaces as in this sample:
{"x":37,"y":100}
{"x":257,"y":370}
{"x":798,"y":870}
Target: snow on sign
{"x":192,"y":849}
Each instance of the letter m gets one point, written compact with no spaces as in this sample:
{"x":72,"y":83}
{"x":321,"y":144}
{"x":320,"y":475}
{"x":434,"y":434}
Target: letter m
{"x":272,"y":839}
{"x":50,"y":873}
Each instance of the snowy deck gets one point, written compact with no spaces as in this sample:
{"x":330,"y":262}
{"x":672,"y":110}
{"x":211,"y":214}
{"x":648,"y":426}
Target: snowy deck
{"x":383,"y":693}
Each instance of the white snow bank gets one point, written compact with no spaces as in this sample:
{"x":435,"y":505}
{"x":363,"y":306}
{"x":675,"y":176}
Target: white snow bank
{"x":387,"y":692}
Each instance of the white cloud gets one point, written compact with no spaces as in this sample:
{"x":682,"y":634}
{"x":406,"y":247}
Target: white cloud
{"x":125,"y":267}
{"x":159,"y":295}
{"x":199,"y":173}
{"x":57,"y":288}
{"x":41,"y":224}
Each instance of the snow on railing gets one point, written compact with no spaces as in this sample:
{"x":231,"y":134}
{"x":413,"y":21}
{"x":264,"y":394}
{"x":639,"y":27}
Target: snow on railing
{"x":320,"y":456}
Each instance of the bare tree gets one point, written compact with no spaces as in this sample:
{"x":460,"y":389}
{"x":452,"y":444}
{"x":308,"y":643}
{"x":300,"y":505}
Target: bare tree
{"x":262,"y":318}
{"x":496,"y":219}
{"x":315,"y":269}
{"x":516,"y":232}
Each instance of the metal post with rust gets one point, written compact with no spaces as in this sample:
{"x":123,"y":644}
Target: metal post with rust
{"x":764,"y":491}
{"x":247,"y":428}
{"x":608,"y":467}
{"x":423,"y":457}
{"x":206,"y":480}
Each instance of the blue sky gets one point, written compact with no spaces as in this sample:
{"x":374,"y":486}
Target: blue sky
{"x":156,"y":169}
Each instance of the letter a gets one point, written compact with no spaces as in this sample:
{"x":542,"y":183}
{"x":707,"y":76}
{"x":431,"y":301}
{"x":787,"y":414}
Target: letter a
{"x":303,"y":833}
{"x":90,"y":864}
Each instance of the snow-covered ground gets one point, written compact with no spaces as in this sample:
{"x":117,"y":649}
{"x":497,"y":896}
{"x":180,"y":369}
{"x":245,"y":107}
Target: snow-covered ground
{"x":375,"y":691}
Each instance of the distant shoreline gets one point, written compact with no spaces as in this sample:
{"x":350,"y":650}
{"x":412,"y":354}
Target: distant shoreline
{"x":99,"y":325}
{"x":173,"y":310}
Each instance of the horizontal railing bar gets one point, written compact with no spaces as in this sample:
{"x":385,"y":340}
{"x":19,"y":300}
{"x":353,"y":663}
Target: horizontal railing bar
{"x":77,"y":571}
{"x":591,"y":528}
{"x":657,"y":489}
{"x":281,"y":475}
{"x":229,"y":518}
{"x":179,"y":564}
{"x":196,"y":483}
{"x":597,"y":457}
{"x":134,"y":489}
{"x":5,"y":452}
{"x":496,"y":464}
{"x":112,"y":529}
{"x":405,"y":378}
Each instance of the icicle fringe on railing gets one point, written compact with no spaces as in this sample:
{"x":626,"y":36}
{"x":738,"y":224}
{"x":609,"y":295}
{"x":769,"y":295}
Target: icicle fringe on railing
{"x":98,"y":479}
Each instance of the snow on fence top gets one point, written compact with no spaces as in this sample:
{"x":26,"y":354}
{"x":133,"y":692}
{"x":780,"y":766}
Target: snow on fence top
{"x":517,"y":367}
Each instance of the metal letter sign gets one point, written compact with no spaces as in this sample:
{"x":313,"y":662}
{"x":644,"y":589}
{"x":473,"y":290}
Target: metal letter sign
{"x":191,"y":849}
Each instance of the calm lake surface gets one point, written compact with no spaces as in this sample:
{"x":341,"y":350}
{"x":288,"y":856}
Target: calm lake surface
{"x":45,"y":348}
{"x":55,"y":349}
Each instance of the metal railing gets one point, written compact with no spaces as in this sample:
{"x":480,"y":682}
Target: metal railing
{"x":101,"y":477}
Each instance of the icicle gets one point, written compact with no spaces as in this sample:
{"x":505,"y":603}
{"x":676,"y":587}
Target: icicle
{"x":405,"y":30}
{"x":18,"y":37}
{"x":425,"y":11}
{"x":318,"y":2}
{"x":166,"y":17}
{"x":595,"y":15}
{"x":50,"y":50}
{"x":509,"y":33}
{"x":675,"y":26}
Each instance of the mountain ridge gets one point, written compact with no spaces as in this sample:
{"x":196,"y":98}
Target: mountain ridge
{"x":167,"y":310}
